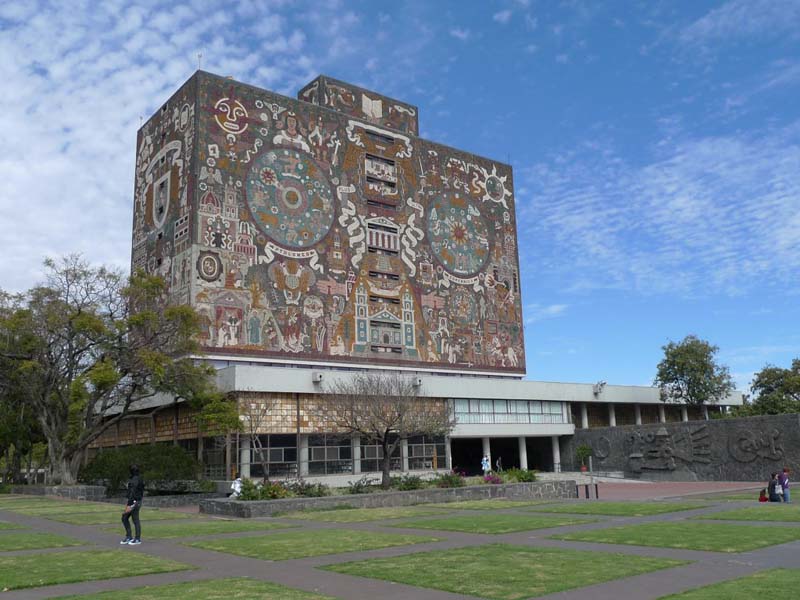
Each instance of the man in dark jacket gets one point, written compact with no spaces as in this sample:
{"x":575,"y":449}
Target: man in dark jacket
{"x":132,"y":507}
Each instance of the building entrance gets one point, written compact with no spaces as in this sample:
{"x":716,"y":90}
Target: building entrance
{"x":507,"y":450}
{"x":467,"y":454}
{"x":540,"y":454}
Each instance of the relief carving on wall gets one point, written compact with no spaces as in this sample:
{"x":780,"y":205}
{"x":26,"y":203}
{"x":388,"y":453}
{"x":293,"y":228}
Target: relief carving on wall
{"x":746,"y":445}
{"x":660,"y":451}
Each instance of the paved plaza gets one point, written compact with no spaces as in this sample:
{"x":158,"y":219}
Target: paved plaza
{"x":702,"y":568}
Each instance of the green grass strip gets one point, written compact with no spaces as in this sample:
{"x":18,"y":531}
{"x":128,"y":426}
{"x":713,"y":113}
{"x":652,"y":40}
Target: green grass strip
{"x":713,"y":537}
{"x":6,"y":525}
{"x":302,"y":544}
{"x":34,"y":570}
{"x":196,"y":528}
{"x":619,"y":509}
{"x":492,"y":523}
{"x":114,"y":516}
{"x":211,"y":589}
{"x":503,"y":571}
{"x":357,"y":515}
{"x":774,"y":583}
{"x":771,"y":511}
{"x":33,"y":541}
{"x":486,"y":504}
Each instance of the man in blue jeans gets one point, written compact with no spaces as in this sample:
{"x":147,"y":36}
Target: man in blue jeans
{"x":783,"y":479}
{"x":132,"y":507}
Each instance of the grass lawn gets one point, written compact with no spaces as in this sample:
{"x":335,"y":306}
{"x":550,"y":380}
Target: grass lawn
{"x":489,"y":523}
{"x":114,"y":515}
{"x":770,"y":511}
{"x":356,"y":515}
{"x":4,"y":525}
{"x":714,"y":537}
{"x":751,"y":495}
{"x":66,"y":508}
{"x":502,"y":571}
{"x":774,"y":583}
{"x":195,"y":528}
{"x":487,"y":504}
{"x":301,"y":544}
{"x":34,"y":570}
{"x":619,"y":509}
{"x":211,"y":589}
{"x":16,"y":502}
{"x":33,"y":541}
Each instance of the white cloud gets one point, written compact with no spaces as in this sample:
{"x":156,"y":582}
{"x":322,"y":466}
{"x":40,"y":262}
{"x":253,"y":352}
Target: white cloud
{"x":707,"y":215}
{"x":461,"y":34}
{"x":739,"y":19}
{"x":537,"y":312}
{"x":503,"y":17}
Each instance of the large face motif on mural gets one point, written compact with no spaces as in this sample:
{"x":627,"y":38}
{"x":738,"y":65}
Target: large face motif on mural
{"x":458,"y":234}
{"x":231,"y":115}
{"x":290,"y":198}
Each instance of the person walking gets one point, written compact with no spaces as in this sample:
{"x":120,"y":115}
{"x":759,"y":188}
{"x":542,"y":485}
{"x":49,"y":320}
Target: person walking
{"x":783,"y":479}
{"x":132,"y":507}
{"x":485,"y":464}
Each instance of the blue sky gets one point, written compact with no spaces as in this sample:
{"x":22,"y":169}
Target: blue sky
{"x":655,"y":146}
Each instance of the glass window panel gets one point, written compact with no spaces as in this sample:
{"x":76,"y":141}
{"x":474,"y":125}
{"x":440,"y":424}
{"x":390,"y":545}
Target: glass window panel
{"x":332,"y":453}
{"x":500,"y":406}
{"x":345,"y":453}
{"x":486,"y":406}
{"x":370,"y":451}
{"x":474,"y":406}
{"x":283,"y":441}
{"x":317,"y":453}
{"x":520,"y":406}
{"x":462,"y":405}
{"x":289,"y":455}
{"x":535,"y":406}
{"x":555,"y":408}
{"x":276,"y":455}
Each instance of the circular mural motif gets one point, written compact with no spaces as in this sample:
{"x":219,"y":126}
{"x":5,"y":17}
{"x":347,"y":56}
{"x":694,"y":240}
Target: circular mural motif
{"x":209,"y":266}
{"x":459,"y":237}
{"x":290,"y":198}
{"x":495,"y":188}
{"x":463,"y":309}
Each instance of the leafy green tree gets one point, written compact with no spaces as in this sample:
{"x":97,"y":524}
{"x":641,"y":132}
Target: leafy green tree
{"x":689,"y":373}
{"x":776,"y":391}
{"x":89,"y":346}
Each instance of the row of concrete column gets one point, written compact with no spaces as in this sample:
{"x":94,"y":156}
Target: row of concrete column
{"x":523,"y":451}
{"x":637,"y":409}
{"x":244,"y":455}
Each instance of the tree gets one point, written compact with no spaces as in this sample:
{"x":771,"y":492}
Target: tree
{"x":689,"y":373}
{"x":385,"y":408}
{"x":776,"y":391}
{"x":88,"y":346}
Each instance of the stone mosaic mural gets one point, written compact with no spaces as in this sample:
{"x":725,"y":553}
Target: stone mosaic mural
{"x":317,"y":230}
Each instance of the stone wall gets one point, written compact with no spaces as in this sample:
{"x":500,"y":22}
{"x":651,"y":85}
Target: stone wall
{"x":745,"y":449}
{"x":94,"y":493}
{"x":514,"y":491}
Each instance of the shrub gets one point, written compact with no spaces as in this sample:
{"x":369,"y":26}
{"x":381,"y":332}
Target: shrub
{"x":266,"y":490}
{"x":5,"y":488}
{"x":157,"y":463}
{"x":449,"y":480}
{"x":250,"y":491}
{"x":492,"y":478}
{"x":408,"y":482}
{"x":520,"y":475}
{"x":303,"y":488}
{"x":361,"y":486}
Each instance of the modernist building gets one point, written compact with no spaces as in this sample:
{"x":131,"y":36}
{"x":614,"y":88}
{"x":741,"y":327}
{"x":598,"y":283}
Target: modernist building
{"x":321,"y":235}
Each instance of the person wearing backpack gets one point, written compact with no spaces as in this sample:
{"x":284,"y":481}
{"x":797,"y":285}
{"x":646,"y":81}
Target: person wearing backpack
{"x":132,"y":507}
{"x":783,"y":479}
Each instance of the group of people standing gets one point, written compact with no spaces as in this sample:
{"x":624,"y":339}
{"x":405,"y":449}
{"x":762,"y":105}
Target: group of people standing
{"x":777,"y":489}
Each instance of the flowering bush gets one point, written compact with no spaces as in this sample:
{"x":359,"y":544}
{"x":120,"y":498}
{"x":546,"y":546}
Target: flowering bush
{"x":268,"y":490}
{"x":520,"y":475}
{"x":492,"y":478}
{"x":449,"y":480}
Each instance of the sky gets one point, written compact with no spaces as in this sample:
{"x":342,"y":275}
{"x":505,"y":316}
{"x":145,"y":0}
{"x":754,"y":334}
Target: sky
{"x":655,"y":146}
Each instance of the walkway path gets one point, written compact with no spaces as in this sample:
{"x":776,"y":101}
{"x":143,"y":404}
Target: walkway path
{"x":708,"y":567}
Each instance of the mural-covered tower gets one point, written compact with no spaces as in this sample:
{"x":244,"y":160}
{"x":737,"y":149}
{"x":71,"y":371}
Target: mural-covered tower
{"x":323,"y":230}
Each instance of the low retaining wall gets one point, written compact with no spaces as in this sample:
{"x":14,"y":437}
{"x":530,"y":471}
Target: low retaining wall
{"x":513,"y":491}
{"x":94,"y":493}
{"x":97,"y":493}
